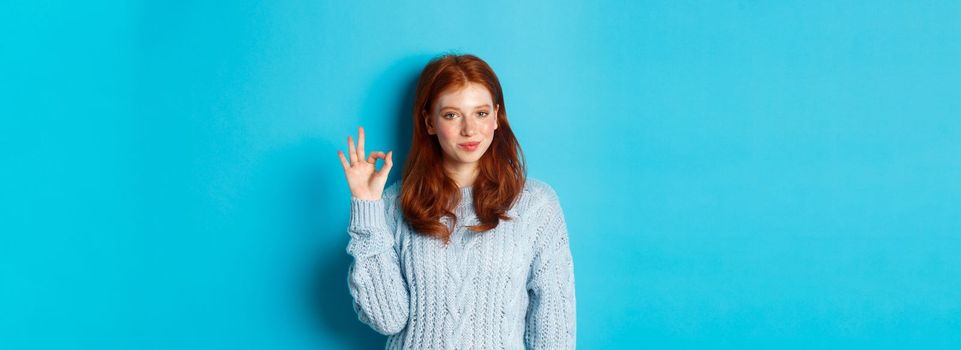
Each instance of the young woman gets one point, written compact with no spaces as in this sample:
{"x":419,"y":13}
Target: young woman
{"x":464,"y":251}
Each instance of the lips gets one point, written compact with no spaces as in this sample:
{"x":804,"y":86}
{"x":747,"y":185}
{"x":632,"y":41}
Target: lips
{"x":469,"y":146}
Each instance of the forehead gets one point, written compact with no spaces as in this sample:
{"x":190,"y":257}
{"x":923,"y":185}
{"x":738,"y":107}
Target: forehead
{"x":469,"y":96}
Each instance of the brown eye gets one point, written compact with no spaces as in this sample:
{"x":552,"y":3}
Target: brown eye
{"x":482,"y":114}
{"x":450,"y":116}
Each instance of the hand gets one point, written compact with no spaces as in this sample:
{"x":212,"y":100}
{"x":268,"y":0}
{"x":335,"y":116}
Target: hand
{"x":364,"y":181}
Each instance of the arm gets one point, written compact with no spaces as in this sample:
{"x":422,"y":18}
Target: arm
{"x":378,"y":289}
{"x":551,"y":314}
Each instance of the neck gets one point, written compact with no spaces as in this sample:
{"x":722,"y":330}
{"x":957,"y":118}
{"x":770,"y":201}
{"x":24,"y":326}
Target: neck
{"x":463,"y":174}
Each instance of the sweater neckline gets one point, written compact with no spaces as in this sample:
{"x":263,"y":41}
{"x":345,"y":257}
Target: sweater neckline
{"x":466,"y":196}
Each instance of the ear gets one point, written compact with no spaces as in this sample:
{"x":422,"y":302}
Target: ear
{"x":430,"y":128}
{"x":497,"y":109}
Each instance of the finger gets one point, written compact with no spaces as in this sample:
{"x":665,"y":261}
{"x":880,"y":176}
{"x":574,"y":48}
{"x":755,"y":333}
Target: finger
{"x":360,"y":143}
{"x":351,"y":151}
{"x":343,"y":161}
{"x":372,"y":159}
{"x":388,"y":163}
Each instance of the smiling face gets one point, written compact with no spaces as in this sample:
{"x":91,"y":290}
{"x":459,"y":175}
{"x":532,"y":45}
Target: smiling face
{"x":464,"y":120}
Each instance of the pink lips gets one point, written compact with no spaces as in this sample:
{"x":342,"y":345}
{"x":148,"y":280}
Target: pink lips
{"x":470,"y":146}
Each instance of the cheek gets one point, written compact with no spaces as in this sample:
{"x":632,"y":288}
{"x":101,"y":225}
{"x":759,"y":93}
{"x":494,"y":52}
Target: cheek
{"x":447,"y":133}
{"x":489,"y":127}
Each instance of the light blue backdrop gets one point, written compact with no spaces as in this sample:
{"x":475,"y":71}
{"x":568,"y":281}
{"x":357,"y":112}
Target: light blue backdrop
{"x":735,"y":175}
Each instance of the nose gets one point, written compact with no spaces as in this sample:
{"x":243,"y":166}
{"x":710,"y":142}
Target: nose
{"x":470,"y":125}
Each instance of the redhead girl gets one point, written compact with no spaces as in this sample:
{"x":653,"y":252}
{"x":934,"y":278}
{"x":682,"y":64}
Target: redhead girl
{"x":465,"y":251}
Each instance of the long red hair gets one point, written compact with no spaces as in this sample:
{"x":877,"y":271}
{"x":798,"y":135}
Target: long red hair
{"x":427,"y":192}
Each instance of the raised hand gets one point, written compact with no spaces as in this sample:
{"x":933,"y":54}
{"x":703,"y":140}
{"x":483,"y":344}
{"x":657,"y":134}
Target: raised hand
{"x":364,"y":180}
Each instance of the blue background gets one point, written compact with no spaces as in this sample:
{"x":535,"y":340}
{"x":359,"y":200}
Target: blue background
{"x":743,"y":174}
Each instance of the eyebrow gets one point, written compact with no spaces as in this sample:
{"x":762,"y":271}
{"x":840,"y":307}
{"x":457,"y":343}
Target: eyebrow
{"x":457,"y":109}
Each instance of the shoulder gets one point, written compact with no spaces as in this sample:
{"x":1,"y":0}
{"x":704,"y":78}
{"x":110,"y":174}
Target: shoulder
{"x":391,"y":195}
{"x":391,"y":198}
{"x":538,"y":193}
{"x":542,"y":211}
{"x":392,"y":191}
{"x":539,"y":189}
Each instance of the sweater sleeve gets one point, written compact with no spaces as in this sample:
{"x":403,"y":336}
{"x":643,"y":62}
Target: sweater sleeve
{"x":551,"y":313}
{"x":379,"y":291}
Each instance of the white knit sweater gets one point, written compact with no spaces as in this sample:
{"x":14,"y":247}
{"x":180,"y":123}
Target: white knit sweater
{"x":506,"y":288}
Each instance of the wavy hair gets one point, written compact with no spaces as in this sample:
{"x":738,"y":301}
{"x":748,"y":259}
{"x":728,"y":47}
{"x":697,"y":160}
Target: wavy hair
{"x":427,"y":191}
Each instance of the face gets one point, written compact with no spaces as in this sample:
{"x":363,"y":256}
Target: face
{"x":464,"y":121}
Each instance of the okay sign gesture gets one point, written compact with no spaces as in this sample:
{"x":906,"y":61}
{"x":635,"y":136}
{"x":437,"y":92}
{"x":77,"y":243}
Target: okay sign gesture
{"x":364,"y":180}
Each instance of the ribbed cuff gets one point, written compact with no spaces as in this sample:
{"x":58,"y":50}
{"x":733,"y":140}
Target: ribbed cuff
{"x":368,"y":229}
{"x":366,"y":214}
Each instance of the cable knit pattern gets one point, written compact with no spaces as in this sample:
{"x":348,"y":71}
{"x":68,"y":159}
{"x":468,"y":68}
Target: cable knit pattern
{"x":508,"y":288}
